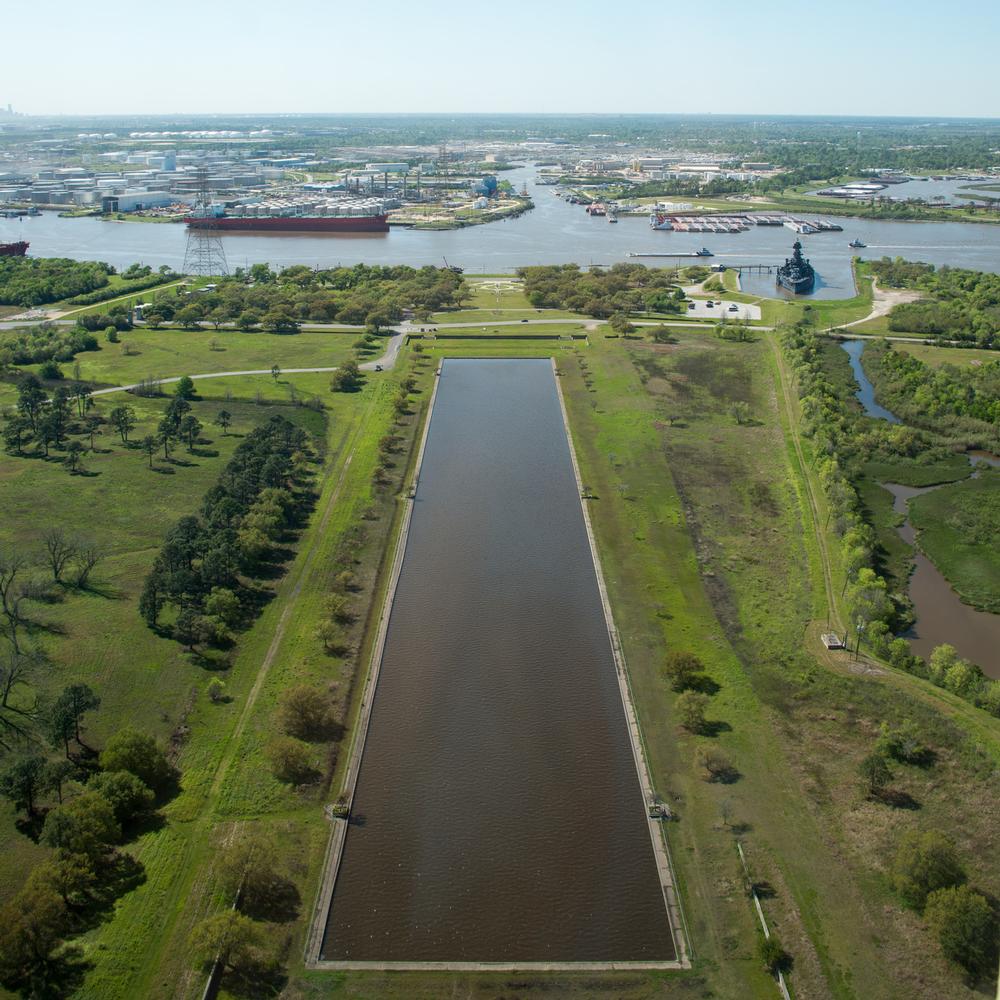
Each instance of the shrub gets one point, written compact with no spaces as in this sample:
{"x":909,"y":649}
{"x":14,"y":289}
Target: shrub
{"x":216,"y":691}
{"x":290,"y":760}
{"x":304,"y":712}
{"x":924,"y":863}
{"x":963,"y":923}
{"x":772,"y":954}
{"x":718,"y":766}
{"x":681,"y":668}
{"x":691,"y":707}
{"x":126,"y":794}
{"x":138,"y":753}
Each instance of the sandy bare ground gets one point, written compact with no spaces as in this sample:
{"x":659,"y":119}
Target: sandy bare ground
{"x":883,"y":300}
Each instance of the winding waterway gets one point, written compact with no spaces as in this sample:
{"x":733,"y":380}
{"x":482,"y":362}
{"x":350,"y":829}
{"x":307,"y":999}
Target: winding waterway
{"x":554,"y":232}
{"x":498,"y":815}
{"x":941,"y":615}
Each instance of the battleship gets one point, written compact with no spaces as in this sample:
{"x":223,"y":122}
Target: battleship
{"x":797,"y":274}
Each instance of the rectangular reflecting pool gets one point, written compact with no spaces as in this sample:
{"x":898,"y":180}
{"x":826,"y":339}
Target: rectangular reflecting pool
{"x":498,"y":814}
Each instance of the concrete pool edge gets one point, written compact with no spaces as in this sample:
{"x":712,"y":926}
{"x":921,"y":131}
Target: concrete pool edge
{"x":338,"y":833}
{"x":332,"y":860}
{"x":661,"y":850}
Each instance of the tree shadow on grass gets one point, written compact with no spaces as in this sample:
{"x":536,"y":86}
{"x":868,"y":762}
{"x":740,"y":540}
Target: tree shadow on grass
{"x":277,"y":902}
{"x":897,"y":799}
{"x":714,"y":727}
{"x":160,"y":470}
{"x":59,"y":976}
{"x":255,"y":984}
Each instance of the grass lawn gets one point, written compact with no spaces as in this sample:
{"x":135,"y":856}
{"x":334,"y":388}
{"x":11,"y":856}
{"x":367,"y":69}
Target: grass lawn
{"x":937,"y":356}
{"x":167,"y":352}
{"x":959,"y":529}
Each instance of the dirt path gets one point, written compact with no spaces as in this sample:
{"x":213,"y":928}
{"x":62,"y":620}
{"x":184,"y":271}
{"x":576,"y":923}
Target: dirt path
{"x":883,"y":300}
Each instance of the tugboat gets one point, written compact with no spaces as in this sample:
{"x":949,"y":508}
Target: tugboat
{"x":612,"y":217}
{"x":704,"y":252}
{"x":797,"y":274}
{"x":856,"y":244}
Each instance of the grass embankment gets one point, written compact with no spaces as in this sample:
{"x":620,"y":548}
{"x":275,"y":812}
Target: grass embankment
{"x":744,"y":502}
{"x":959,"y":529}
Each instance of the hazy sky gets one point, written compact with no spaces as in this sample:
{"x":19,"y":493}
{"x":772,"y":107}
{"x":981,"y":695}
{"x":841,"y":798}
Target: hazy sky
{"x":769,"y":57}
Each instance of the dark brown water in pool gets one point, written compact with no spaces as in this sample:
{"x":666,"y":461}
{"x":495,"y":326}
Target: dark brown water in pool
{"x":498,"y":814}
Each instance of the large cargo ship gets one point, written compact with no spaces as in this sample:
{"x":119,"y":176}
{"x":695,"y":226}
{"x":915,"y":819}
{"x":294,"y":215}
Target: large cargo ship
{"x":18,"y":249}
{"x":797,"y":274}
{"x":295,"y":216}
{"x":292,"y":223}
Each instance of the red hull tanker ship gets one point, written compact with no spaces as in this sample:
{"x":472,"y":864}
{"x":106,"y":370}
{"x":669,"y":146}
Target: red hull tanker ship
{"x":18,"y":249}
{"x":295,"y":216}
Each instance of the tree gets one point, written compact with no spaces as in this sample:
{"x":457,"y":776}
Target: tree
{"x":165,"y":432}
{"x":875,"y":774}
{"x":223,"y":419}
{"x":681,"y":669}
{"x":347,"y":378}
{"x":304,"y":712}
{"x":94,"y":422}
{"x":619,"y":322}
{"x":184,"y":388}
{"x":85,"y":825}
{"x":740,"y":411}
{"x":290,"y":760}
{"x":224,"y":604}
{"x":22,"y":780}
{"x":924,"y":863}
{"x":772,"y":954}
{"x":662,"y":335}
{"x":718,"y":767}
{"x":247,"y":864}
{"x":66,"y":713}
{"x":190,"y":429}
{"x":123,"y":420}
{"x":70,"y":876}
{"x":186,"y":630}
{"x":16,"y":432}
{"x":149,"y":445}
{"x":138,"y":753}
{"x":59,"y":550}
{"x":31,"y":399}
{"x":55,"y":774}
{"x":238,"y":943}
{"x":33,"y":922}
{"x":275,"y":372}
{"x":127,"y":795}
{"x":691,"y":707}
{"x":963,"y":922}
{"x":88,"y":555}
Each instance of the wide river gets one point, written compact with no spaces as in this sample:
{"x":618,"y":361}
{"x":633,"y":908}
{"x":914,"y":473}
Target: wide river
{"x":554,"y":232}
{"x":498,"y":814}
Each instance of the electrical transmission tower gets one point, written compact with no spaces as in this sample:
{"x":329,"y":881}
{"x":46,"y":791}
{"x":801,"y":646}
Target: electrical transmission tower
{"x":204,"y":255}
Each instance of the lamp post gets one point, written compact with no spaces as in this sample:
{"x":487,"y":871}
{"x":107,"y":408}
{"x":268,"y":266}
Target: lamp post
{"x":860,"y":628}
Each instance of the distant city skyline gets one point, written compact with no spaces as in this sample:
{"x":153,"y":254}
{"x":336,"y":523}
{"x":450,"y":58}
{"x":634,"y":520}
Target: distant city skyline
{"x":776,"y":57}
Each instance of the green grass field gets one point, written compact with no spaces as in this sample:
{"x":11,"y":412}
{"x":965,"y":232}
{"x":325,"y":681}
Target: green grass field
{"x":708,"y":544}
{"x":937,"y":356}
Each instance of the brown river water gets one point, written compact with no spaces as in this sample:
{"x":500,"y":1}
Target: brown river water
{"x":498,"y":814}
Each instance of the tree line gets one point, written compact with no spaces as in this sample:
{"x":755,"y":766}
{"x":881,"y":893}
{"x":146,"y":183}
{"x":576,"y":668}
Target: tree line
{"x":279,"y":300}
{"x":599,"y":292}
{"x":204,"y":568}
{"x":35,"y":281}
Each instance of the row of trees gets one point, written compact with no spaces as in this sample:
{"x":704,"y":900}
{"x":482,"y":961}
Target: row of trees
{"x":207,"y":559}
{"x":622,"y":288}
{"x":32,"y":345}
{"x":279,"y":301}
